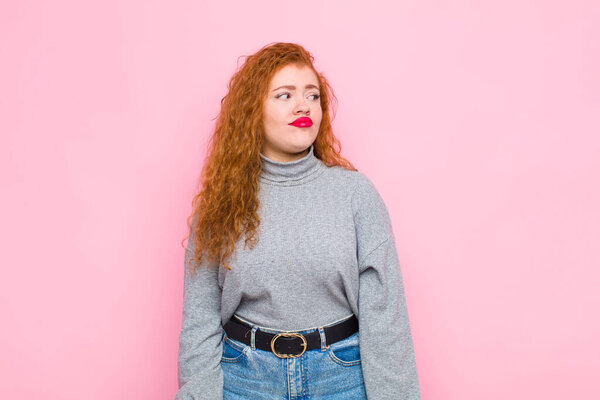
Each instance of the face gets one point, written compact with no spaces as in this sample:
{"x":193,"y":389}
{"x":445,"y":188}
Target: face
{"x":293,"y":93}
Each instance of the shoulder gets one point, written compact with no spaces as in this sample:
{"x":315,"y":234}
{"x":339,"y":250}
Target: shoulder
{"x":363,"y":193}
{"x":370,"y":214}
{"x":368,"y":206}
{"x":337,"y":179}
{"x":354,"y":181}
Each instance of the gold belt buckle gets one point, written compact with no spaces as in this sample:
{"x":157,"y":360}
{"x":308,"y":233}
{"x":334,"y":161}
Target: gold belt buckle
{"x":288,"y":334}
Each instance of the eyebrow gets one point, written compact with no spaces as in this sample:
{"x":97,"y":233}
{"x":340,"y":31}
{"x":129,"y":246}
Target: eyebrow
{"x":292,"y":87}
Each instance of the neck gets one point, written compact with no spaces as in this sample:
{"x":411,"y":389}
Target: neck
{"x":290,"y":173}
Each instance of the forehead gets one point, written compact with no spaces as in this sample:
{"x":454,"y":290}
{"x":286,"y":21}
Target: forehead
{"x":294,"y":75}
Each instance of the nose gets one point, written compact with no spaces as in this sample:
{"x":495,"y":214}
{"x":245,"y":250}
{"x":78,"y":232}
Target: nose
{"x":302,"y":106}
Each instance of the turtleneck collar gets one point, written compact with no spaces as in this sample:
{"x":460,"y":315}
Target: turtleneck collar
{"x":291,"y":173}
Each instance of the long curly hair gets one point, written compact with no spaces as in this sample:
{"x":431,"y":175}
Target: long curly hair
{"x":226,"y":206}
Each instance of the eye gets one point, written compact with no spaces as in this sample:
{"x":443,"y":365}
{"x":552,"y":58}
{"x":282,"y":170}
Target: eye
{"x":282,"y":94}
{"x":316,"y":96}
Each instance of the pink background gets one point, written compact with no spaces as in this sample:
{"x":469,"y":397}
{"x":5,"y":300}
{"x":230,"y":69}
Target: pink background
{"x":478,"y":122}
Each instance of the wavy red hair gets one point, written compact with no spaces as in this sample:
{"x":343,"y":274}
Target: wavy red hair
{"x":226,"y":206}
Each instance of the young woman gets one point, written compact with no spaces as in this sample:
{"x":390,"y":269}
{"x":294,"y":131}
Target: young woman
{"x":309,"y":303}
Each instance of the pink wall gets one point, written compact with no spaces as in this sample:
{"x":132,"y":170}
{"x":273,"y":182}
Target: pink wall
{"x":478,"y":121}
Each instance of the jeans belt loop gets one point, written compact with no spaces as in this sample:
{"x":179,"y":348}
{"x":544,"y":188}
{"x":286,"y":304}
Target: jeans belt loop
{"x":252,"y":337}
{"x":323,"y":340}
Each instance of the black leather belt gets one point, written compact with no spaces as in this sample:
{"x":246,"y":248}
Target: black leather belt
{"x":289,"y":344}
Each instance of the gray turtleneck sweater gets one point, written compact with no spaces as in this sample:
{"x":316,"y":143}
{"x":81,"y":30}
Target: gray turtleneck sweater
{"x":326,"y":250}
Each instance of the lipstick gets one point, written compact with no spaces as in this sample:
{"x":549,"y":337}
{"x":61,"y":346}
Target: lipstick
{"x":302,"y":122}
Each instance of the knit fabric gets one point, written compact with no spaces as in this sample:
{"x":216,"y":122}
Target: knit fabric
{"x":326,"y":250}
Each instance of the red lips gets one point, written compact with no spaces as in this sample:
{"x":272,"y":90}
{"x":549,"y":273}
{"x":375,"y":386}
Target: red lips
{"x":302,"y":122}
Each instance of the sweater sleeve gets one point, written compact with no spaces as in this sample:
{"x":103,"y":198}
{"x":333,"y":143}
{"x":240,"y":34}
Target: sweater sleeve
{"x":387,"y":353}
{"x":199,"y":371}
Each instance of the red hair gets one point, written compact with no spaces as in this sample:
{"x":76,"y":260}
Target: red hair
{"x":227,"y":204}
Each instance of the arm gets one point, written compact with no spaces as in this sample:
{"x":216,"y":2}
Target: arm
{"x":199,"y":371}
{"x":387,"y":353}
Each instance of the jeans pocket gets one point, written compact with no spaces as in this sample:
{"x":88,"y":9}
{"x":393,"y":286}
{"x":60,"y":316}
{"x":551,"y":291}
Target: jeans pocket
{"x":346,"y":352}
{"x":233,"y":350}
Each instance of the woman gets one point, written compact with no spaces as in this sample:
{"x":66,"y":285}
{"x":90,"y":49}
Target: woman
{"x":278,"y":317}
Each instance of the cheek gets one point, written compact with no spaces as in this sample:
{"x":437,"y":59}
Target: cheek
{"x":318,"y":113}
{"x":316,"y":109}
{"x":273,"y":114}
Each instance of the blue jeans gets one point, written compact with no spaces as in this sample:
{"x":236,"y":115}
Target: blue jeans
{"x":332,"y":372}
